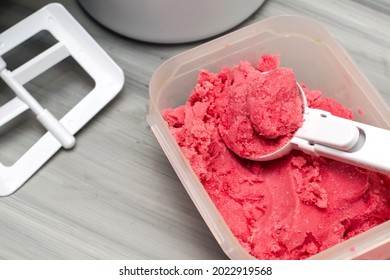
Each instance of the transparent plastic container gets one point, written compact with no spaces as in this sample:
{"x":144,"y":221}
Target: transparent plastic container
{"x":317,"y":60}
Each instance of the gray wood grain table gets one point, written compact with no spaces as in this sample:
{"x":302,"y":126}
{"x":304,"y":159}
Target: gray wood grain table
{"x":115,"y":195}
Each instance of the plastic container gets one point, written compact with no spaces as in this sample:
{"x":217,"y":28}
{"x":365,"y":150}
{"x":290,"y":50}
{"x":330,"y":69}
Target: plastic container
{"x":317,"y":60}
{"x":170,"y":21}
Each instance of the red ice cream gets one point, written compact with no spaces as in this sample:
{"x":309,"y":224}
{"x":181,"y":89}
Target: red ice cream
{"x":289,"y":208}
{"x":261,"y":111}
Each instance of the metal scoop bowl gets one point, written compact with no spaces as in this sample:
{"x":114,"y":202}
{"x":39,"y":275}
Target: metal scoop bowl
{"x":323,"y":134}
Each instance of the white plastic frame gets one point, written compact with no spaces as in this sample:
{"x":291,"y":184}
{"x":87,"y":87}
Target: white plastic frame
{"x":73,"y":41}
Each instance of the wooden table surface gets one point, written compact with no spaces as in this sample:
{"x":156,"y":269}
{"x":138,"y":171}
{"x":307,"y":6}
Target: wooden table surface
{"x":115,"y":195}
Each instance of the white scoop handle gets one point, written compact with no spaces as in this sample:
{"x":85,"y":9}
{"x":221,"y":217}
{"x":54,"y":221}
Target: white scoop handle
{"x":323,"y":134}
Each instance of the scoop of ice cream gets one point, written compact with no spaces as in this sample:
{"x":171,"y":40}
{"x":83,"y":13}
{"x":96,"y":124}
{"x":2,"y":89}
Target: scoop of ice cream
{"x":275,"y":107}
{"x":261,"y":111}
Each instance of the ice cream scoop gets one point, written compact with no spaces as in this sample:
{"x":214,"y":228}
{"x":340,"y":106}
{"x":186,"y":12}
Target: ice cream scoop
{"x":260,"y":112}
{"x":323,"y":134}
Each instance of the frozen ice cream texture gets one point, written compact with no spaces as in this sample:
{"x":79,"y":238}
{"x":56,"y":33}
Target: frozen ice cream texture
{"x":262,"y":115}
{"x":289,"y":208}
